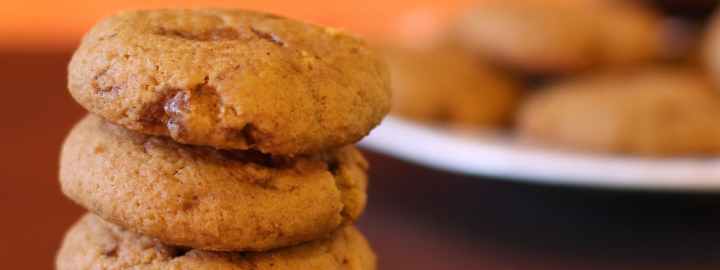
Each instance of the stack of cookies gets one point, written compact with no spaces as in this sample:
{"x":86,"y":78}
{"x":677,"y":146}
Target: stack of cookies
{"x":219,"y":139}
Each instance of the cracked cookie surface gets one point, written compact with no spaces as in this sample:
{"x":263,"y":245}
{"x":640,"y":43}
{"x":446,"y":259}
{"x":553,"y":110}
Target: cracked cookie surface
{"x":95,"y":244}
{"x":205,"y":198}
{"x":231,"y":79}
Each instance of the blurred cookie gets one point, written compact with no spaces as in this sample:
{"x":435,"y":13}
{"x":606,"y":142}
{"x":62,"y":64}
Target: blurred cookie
{"x":649,"y":112}
{"x":711,"y":48}
{"x":95,"y":244}
{"x":450,"y":86}
{"x":551,"y":37}
{"x":209,"y":199}
{"x":231,"y":79}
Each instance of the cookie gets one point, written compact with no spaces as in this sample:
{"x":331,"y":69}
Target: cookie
{"x":231,"y":79}
{"x":95,"y":244}
{"x":647,"y":112}
{"x":711,"y":48}
{"x":558,"y":37}
{"x":205,"y":198}
{"x":447,"y":85}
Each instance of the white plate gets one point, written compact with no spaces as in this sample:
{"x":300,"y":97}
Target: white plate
{"x":498,"y":156}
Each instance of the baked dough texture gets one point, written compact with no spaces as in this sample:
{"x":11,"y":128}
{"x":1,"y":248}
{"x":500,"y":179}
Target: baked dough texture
{"x":210,"y":199}
{"x":231,"y":79}
{"x":95,"y":244}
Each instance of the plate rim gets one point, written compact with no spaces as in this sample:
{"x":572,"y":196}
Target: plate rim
{"x":498,"y":156}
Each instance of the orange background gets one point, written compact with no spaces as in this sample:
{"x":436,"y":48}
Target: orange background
{"x":417,"y":218}
{"x":32,"y":24}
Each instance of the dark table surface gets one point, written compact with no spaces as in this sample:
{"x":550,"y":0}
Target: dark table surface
{"x":417,"y":218}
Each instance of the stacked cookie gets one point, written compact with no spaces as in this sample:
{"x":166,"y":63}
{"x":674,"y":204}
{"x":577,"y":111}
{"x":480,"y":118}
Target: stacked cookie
{"x":219,"y":139}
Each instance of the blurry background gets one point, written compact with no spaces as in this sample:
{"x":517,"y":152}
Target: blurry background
{"x":47,"y":25}
{"x":417,"y":218}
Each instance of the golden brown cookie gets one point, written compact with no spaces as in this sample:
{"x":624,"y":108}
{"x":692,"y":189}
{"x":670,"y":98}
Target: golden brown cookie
{"x":449,"y":85}
{"x":231,"y":79}
{"x":648,"y":112}
{"x":548,"y":37}
{"x":95,"y":244}
{"x":206,"y":198}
